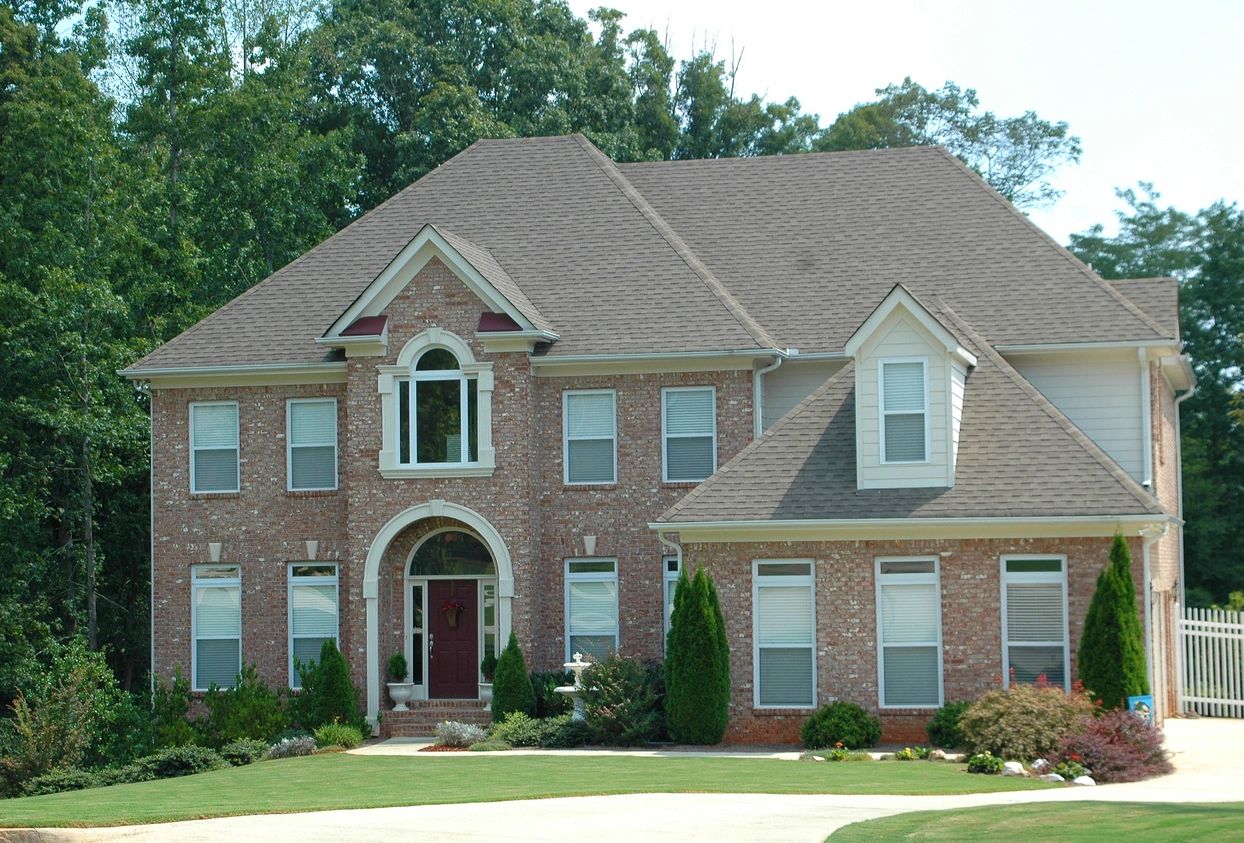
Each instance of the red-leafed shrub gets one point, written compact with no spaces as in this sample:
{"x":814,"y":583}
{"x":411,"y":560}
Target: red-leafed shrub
{"x":1118,"y":746}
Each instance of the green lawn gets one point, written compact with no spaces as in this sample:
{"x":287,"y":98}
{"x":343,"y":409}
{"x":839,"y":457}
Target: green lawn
{"x":1062,"y":821}
{"x":340,"y":780}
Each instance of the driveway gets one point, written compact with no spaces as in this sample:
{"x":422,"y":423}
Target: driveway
{"x":1209,"y":768}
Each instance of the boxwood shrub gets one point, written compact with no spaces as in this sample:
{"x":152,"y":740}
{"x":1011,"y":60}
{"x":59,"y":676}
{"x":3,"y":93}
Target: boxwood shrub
{"x":841,"y":722}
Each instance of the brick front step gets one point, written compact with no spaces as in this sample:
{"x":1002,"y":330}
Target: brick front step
{"x":421,"y":720}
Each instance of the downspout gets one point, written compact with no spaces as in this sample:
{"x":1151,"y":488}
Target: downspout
{"x":1179,"y":485}
{"x":673,"y":546}
{"x":1150,"y":537}
{"x":757,"y":392}
{"x":151,"y":630}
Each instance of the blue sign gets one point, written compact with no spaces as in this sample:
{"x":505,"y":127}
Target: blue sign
{"x":1141,"y":706}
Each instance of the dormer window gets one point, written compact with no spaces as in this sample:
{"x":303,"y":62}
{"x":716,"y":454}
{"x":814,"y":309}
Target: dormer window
{"x":437,"y":408}
{"x":904,"y":410}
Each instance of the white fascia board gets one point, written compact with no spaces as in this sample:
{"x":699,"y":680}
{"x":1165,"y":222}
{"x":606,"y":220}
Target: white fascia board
{"x":1177,"y":368}
{"x":425,"y":245}
{"x":1028,"y":348}
{"x":899,"y":297}
{"x":912,"y":528}
{"x":623,"y":364}
{"x":272,"y":374}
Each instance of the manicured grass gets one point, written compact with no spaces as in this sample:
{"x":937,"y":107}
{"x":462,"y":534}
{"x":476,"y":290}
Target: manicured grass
{"x":1061,"y":821}
{"x":325,"y":782}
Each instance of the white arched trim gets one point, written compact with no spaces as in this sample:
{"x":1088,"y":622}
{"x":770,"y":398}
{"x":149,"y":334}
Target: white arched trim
{"x":434,"y":338}
{"x":453,"y":528}
{"x":371,"y":578}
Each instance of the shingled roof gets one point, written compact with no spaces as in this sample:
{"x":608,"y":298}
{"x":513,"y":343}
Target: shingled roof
{"x":1158,"y":297}
{"x":689,"y":256}
{"x":1019,"y":456}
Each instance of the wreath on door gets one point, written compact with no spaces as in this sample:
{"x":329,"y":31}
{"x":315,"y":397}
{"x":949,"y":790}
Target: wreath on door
{"x":452,"y":609}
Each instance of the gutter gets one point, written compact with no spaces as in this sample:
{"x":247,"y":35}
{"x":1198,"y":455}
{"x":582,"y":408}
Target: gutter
{"x":1179,"y":483}
{"x":758,"y":389}
{"x":569,"y":359}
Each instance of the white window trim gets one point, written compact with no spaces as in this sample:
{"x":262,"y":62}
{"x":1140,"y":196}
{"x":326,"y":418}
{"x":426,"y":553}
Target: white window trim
{"x":237,"y":447}
{"x":590,"y":576}
{"x":1042,"y":577}
{"x":882,"y":413}
{"x":613,"y":394}
{"x":667,"y":602}
{"x":295,"y":581}
{"x":290,"y":446}
{"x":782,"y":580}
{"x":213,"y":582}
{"x":934,"y":579}
{"x":666,"y":436}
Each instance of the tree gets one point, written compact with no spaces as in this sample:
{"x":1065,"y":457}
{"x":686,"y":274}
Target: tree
{"x":511,"y":684}
{"x":1016,"y":155}
{"x":1111,"y":656}
{"x":328,"y":695}
{"x":697,"y":672}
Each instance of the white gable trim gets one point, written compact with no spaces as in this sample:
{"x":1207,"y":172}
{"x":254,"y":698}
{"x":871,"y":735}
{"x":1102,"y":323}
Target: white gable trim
{"x":424,"y":246}
{"x":899,"y":297}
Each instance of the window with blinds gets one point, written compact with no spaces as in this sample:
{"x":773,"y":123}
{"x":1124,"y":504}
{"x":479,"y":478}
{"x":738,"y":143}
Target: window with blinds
{"x":784,"y":635}
{"x":589,"y":431}
{"x":311,"y":437}
{"x":216,"y":598}
{"x":1034,"y":620}
{"x":312,"y":615}
{"x":591,"y":607}
{"x":904,"y":411}
{"x":909,"y":631}
{"x":214,"y":447}
{"x":689,"y":428}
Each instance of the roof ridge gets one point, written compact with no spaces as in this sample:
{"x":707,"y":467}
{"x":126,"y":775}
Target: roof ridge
{"x":1059,"y":249}
{"x":1139,"y":492}
{"x":680,"y":247}
{"x":756,"y":444}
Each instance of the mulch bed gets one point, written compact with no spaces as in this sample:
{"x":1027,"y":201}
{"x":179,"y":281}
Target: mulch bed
{"x":443,"y":749}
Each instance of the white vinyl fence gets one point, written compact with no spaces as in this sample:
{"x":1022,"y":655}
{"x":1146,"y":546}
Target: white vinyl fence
{"x":1211,"y":662}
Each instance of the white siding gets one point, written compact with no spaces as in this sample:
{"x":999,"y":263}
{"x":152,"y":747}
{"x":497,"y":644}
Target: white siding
{"x":790,"y":383}
{"x":901,"y":336}
{"x":958,"y":383}
{"x":1099,"y":391}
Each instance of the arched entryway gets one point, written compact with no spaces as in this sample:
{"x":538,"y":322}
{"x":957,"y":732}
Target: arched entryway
{"x":471,"y":551}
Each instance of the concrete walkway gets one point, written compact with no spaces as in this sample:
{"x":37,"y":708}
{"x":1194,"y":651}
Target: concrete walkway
{"x":1209,"y":768}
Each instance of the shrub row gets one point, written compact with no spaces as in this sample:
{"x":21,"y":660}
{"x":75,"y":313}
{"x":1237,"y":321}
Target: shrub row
{"x":168,"y":763}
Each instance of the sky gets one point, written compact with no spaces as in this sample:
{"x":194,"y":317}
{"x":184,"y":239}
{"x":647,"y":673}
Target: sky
{"x":1154,"y":90}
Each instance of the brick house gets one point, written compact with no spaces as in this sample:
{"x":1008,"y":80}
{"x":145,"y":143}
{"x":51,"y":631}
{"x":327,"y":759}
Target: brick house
{"x":897,"y":421}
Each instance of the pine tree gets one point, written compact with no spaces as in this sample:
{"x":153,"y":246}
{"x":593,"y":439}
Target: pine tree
{"x":1112,"y":649}
{"x":697,"y":681}
{"x":511,"y":684}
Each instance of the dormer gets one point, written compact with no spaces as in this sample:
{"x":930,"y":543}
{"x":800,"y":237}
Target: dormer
{"x":910,"y":375}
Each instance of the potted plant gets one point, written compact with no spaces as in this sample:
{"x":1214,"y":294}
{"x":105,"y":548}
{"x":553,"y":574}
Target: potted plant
{"x":487,"y":668}
{"x":401,"y":689}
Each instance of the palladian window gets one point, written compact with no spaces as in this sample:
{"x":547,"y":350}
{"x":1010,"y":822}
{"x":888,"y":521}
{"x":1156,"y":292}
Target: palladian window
{"x":437,"y":409}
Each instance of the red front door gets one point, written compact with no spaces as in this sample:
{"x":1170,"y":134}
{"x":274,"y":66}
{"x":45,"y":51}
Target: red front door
{"x":453,"y":639}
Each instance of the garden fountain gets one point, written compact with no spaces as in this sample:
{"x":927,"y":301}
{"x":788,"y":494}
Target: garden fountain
{"x":575,"y":691}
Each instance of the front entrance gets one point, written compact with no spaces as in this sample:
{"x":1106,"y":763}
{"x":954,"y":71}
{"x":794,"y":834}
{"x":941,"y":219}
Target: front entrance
{"x":453,"y":639}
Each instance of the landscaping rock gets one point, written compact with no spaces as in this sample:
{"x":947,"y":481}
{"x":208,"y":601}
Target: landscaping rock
{"x":1052,"y":777}
{"x":937,"y":755}
{"x":1040,"y":765}
{"x":1086,"y":781}
{"x":1012,"y":768}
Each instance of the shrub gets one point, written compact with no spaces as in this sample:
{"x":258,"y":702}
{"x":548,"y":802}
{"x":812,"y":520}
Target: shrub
{"x":1117,"y":747}
{"x":250,"y":709}
{"x":453,"y":733}
{"x":327,"y":694}
{"x":986,"y":763}
{"x":1112,"y":648}
{"x":175,"y":761}
{"x":1070,"y":770}
{"x":908,"y":753}
{"x":291,"y":748}
{"x":489,"y":746}
{"x":567,"y":733}
{"x":697,"y":663}
{"x":170,"y":713}
{"x":1024,"y":721}
{"x":841,"y":723}
{"x":622,"y":701}
{"x":244,"y":751}
{"x":397,"y":667}
{"x":338,"y":734}
{"x":488,"y":666}
{"x":549,"y":703}
{"x":59,"y":781}
{"x":838,"y":753}
{"x":943,"y":730}
{"x":519,"y":729}
{"x":511,"y":686}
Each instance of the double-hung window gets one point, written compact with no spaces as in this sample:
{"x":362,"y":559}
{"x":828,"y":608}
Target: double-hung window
{"x":689,"y":433}
{"x":437,"y":412}
{"x":1034,"y":619}
{"x":904,"y":410}
{"x":784,"y":634}
{"x":591,"y":607}
{"x":216,"y":598}
{"x":590,"y":444}
{"x":214,"y":447}
{"x":910,"y":633}
{"x":312,"y":614}
{"x":311,"y":436}
{"x":669,"y":583}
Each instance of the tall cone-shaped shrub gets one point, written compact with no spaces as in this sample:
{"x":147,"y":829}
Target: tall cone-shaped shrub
{"x":1112,"y":646}
{"x":697,"y":670}
{"x":511,"y":683}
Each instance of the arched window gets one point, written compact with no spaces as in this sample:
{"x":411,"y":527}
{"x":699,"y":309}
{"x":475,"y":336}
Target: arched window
{"x":437,"y":412}
{"x":452,"y":553}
